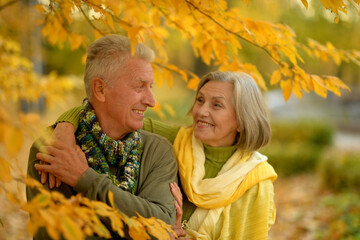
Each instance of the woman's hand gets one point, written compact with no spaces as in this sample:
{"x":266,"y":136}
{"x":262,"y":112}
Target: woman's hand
{"x":65,"y":133}
{"x":176,"y":192}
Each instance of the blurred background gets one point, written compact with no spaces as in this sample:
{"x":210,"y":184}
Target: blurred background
{"x":315,"y":147}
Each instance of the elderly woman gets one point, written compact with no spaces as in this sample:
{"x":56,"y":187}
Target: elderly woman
{"x":227,"y":185}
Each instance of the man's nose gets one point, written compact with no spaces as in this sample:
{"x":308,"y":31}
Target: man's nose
{"x":149,"y":99}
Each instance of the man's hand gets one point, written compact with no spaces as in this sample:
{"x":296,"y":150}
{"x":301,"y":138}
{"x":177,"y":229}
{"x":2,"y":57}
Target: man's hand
{"x":65,"y":133}
{"x":66,"y":163}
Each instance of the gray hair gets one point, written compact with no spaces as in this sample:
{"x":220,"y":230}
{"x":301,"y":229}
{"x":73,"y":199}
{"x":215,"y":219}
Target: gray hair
{"x":109,"y":53}
{"x":252,"y":116}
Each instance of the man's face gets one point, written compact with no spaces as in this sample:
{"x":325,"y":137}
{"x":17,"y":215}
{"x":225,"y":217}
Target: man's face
{"x":128,"y":96}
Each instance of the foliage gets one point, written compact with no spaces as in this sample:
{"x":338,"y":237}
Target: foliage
{"x":296,"y":147}
{"x":319,"y":133}
{"x":216,"y":34}
{"x":77,"y":217}
{"x":343,"y":220}
{"x":339,"y":170}
{"x":214,"y":31}
{"x":292,"y":158}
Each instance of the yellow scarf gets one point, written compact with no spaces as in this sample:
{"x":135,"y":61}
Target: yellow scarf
{"x":238,"y":175}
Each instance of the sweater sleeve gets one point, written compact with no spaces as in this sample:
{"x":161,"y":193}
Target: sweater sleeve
{"x":72,"y":116}
{"x":165,"y":130}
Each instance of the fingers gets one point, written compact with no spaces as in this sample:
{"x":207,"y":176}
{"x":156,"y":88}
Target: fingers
{"x":176,"y":192}
{"x":58,"y":182}
{"x":43,"y":176}
{"x":44,"y":157}
{"x":51,"y":181}
{"x":43,"y":167}
{"x":180,"y":232}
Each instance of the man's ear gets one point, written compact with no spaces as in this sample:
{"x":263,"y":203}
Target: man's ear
{"x":98,"y":87}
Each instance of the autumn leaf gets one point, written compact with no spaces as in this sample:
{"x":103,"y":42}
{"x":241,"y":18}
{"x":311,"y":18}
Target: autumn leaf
{"x":193,"y":83}
{"x":305,"y":3}
{"x":111,"y":198}
{"x":5,"y":174}
{"x":33,"y":183}
{"x":137,"y":230}
{"x":275,"y":77}
{"x":70,"y":229}
{"x":319,"y":86}
{"x":286,"y":88}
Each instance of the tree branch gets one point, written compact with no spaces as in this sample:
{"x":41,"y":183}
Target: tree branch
{"x":230,"y":31}
{"x":89,"y":21}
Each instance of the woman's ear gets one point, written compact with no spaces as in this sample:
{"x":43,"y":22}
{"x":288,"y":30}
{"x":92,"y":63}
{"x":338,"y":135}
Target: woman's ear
{"x":98,"y":87}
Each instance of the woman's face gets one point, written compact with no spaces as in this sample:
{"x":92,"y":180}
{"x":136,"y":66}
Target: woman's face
{"x":214,"y":114}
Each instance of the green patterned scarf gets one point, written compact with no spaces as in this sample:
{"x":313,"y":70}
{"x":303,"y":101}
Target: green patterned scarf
{"x":101,"y":151}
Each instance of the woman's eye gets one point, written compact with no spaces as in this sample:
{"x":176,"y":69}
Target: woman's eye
{"x":218,"y":105}
{"x":200,"y":100}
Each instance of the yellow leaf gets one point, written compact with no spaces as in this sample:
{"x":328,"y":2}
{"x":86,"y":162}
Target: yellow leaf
{"x":5,"y":175}
{"x":137,"y":231}
{"x":286,"y":88}
{"x":109,"y":20}
{"x":169,"y":77}
{"x":33,"y":183}
{"x":48,"y":216}
{"x":13,"y":140}
{"x":193,"y":83}
{"x":70,"y":230}
{"x":158,"y":76}
{"x":297,"y":89}
{"x":285,"y":70}
{"x":33,"y":226}
{"x":111,"y":198}
{"x":246,"y":2}
{"x":83,"y":59}
{"x":275,"y":77}
{"x":158,"y":110}
{"x":40,"y":8}
{"x":41,"y":200}
{"x":116,"y":224}
{"x":132,"y":33}
{"x":206,"y":52}
{"x":154,"y":228}
{"x":319,"y":86}
{"x":75,"y":40}
{"x":305,"y":3}
{"x":97,"y":34}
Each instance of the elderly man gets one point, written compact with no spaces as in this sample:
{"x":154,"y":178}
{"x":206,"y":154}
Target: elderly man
{"x":137,"y":166}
